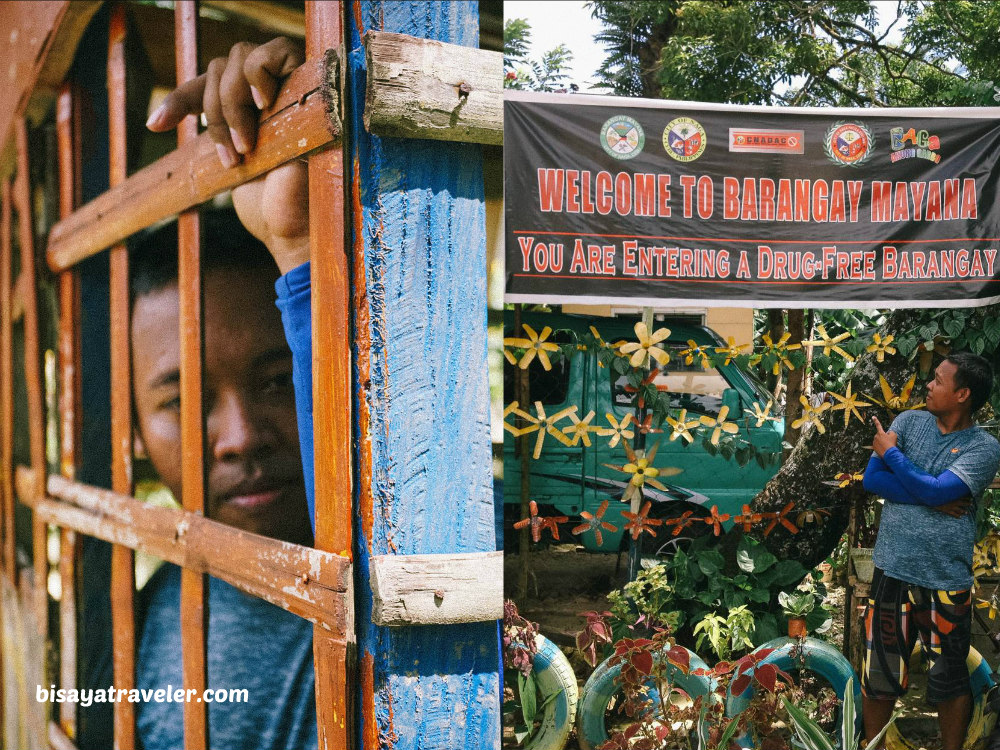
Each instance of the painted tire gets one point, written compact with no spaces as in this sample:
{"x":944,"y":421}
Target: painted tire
{"x":982,"y":721}
{"x":819,"y":657}
{"x":553,"y":676}
{"x":605,"y":683}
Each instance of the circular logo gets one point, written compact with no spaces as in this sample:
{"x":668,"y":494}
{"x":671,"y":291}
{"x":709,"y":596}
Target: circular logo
{"x":849,"y":143}
{"x":684,"y":139}
{"x":622,"y":137}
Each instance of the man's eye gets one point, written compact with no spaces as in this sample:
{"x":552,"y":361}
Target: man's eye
{"x":278,"y":383}
{"x":173,"y":404}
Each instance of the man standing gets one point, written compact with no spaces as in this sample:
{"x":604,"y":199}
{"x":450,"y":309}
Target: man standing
{"x":932,"y":468}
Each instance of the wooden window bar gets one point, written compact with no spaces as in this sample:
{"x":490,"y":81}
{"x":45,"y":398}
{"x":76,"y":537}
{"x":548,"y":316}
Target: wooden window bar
{"x":313,"y":583}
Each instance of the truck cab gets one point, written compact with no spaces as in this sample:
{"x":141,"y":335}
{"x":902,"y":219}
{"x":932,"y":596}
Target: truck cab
{"x":567,"y":480}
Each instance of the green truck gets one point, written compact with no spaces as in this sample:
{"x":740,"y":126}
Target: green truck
{"x":567,"y":480}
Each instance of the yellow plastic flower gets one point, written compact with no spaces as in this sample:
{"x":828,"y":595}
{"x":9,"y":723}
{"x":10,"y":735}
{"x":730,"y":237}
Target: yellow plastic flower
{"x":720,"y":425}
{"x":900,"y":403}
{"x":515,"y":408}
{"x":732,"y":350}
{"x":762,"y":415}
{"x":617,"y":430}
{"x":547,"y":425}
{"x":811,"y":415}
{"x":642,"y":472}
{"x":535,"y":344}
{"x":647,"y":346}
{"x":695,"y":350}
{"x":881,"y":347}
{"x":829,"y":343}
{"x":850,"y":404}
{"x":682,"y":427}
{"x":580,"y":429}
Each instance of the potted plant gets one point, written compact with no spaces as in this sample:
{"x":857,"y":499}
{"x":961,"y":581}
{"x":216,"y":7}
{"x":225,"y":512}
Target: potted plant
{"x":797,"y":605}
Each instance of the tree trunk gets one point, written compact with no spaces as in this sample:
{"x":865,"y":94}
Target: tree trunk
{"x":795,"y":379}
{"x":820,"y":457}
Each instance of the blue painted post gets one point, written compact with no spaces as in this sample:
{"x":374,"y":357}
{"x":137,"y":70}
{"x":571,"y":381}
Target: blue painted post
{"x":424,"y":468}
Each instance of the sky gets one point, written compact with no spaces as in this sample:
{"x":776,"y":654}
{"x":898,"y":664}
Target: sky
{"x":555,"y":22}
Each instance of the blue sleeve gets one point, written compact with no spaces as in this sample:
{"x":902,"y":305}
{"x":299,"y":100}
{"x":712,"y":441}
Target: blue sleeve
{"x":880,"y":481}
{"x":925,"y":488}
{"x":295,"y":302}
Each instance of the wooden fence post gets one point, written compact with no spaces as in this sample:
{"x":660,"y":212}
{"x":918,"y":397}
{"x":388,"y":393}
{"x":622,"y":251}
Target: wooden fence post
{"x":424,"y":482}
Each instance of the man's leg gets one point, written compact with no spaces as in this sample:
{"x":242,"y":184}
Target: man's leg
{"x":876,"y":713}
{"x":949,"y":628}
{"x":953,"y":718}
{"x":889,"y":640}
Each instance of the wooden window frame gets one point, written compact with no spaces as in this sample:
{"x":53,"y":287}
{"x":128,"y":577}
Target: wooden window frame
{"x":315,"y":583}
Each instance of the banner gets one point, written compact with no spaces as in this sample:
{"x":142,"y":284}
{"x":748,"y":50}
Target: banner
{"x":663,"y":203}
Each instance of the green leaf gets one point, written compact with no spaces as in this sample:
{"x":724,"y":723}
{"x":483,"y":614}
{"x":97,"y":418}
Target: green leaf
{"x":527,"y":694}
{"x":711,"y":562}
{"x":788,"y":572}
{"x":954,"y":327}
{"x":765,"y":628}
{"x":807,"y":731}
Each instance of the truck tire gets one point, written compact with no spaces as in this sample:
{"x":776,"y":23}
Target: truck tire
{"x":553,"y":676}
{"x":815,"y":655}
{"x":605,"y":683}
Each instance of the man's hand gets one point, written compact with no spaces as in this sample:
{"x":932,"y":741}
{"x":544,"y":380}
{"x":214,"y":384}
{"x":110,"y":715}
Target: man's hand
{"x":883,"y":440}
{"x":274,"y":207}
{"x":956,"y":508}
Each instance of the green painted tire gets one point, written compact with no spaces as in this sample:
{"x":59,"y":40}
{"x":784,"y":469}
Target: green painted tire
{"x":819,"y":657}
{"x":553,"y":676}
{"x":604,"y":685}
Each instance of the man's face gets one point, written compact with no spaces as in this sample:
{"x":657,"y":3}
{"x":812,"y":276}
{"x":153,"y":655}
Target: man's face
{"x":943,"y":395}
{"x":252,"y":453}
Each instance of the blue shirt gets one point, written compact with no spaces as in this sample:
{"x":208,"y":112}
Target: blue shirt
{"x":916,"y":543}
{"x":295,"y":302}
{"x":252,"y":645}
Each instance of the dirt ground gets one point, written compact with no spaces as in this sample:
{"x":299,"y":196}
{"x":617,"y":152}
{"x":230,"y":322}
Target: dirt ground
{"x":567,"y":581}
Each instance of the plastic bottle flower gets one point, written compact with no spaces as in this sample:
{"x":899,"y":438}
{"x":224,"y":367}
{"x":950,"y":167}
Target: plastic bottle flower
{"x":720,"y":425}
{"x":680,"y":523}
{"x":850,"y":404}
{"x":682,"y":427}
{"x":747,"y":519}
{"x":642,"y":472}
{"x":781,"y":518}
{"x":547,"y":425}
{"x":639,"y":523}
{"x":617,"y":430}
{"x":535,"y":344}
{"x":539,"y":523}
{"x":731,"y":351}
{"x":647,"y":346}
{"x":514,"y":408}
{"x":695,"y":350}
{"x":648,"y":380}
{"x":762,"y":415}
{"x":896,"y":404}
{"x":881,"y":347}
{"x":779,"y":350}
{"x":829,"y":343}
{"x":845,"y":479}
{"x":811,"y":414}
{"x":716,"y":519}
{"x":580,"y":429}
{"x":595,"y":522}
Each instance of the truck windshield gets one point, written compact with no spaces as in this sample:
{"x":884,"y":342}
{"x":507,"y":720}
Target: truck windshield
{"x":691,"y":387}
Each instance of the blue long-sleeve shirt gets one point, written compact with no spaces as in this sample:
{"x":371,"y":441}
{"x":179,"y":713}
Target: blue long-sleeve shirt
{"x":895,"y":478}
{"x":295,"y":302}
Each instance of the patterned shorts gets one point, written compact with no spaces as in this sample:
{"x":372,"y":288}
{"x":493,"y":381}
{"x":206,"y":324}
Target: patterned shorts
{"x":898,"y":613}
